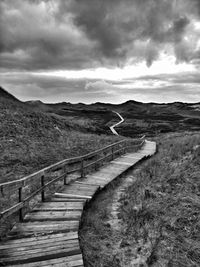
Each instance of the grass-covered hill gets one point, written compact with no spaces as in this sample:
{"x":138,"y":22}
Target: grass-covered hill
{"x":153,"y":118}
{"x":31,"y":139}
{"x":145,"y":118}
{"x":34,"y":134}
{"x":95,"y":118}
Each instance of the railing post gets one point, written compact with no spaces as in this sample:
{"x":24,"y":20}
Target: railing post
{"x":42,"y":192}
{"x":95,"y":165}
{"x":65,"y":175}
{"x":113,"y":153}
{"x":124,"y":147}
{"x":82,"y":168}
{"x":21,"y":210}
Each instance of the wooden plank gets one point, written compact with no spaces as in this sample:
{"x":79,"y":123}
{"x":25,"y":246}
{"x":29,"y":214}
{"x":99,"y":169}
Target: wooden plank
{"x":123,"y":163}
{"x":110,"y":166}
{"x":53,"y":216}
{"x":58,"y":206}
{"x":42,"y":247}
{"x":99,"y":181}
{"x":37,"y":240}
{"x":131,"y":157}
{"x":82,"y":186}
{"x":38,"y":256}
{"x":105,"y":172}
{"x":70,"y":264}
{"x":72,"y":196}
{"x":126,"y":160}
{"x":37,"y":228}
{"x":63,"y":199}
{"x":100,"y":176}
{"x":80,"y":190}
{"x":108,"y":176}
{"x":80,"y":193}
{"x":86,"y":184}
{"x":70,"y":261}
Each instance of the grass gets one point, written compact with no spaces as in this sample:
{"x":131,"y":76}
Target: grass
{"x":96,"y":235}
{"x":159,"y":211}
{"x":162,"y":207}
{"x":31,"y":140}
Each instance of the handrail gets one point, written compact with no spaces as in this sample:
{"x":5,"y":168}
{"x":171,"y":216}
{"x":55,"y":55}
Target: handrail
{"x":19,"y":184}
{"x":55,"y":166}
{"x":60,"y":164}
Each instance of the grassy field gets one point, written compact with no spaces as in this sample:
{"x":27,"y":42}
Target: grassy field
{"x":159,"y":211}
{"x":31,"y":140}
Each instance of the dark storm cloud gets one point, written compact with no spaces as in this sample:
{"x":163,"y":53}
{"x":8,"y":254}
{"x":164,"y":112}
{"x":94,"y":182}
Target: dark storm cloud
{"x":32,"y":38}
{"x":74,"y":34}
{"x":116,"y":24}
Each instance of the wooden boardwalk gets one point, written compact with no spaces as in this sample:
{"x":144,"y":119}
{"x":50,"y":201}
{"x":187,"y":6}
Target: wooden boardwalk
{"x":48,"y":236}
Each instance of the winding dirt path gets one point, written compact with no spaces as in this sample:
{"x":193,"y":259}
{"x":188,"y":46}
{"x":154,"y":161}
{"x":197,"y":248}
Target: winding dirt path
{"x":116,"y":124}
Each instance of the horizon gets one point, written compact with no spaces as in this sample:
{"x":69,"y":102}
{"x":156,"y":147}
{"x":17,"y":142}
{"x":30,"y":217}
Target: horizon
{"x":101,"y":51}
{"x":92,"y":103}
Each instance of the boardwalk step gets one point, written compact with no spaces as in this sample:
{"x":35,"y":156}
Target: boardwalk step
{"x":62,"y":250}
{"x":55,"y":206}
{"x":26,"y":242}
{"x":70,"y":261}
{"x":79,"y":192}
{"x":38,"y":247}
{"x":82,"y":187}
{"x":83,"y":182}
{"x":42,"y":228}
{"x":53,"y":216}
{"x":69,"y":200}
{"x":75,"y":196}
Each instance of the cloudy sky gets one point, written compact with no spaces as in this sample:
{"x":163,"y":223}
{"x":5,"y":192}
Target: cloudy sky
{"x":101,"y":50}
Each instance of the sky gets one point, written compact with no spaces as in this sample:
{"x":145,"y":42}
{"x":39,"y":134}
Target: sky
{"x":101,"y":50}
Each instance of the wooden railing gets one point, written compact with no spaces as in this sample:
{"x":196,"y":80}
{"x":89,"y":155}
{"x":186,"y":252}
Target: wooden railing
{"x":63,"y":169}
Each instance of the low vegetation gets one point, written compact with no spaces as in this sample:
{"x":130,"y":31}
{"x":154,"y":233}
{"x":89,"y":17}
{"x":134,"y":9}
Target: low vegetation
{"x":31,"y":140}
{"x":159,"y":212}
{"x":97,"y":239}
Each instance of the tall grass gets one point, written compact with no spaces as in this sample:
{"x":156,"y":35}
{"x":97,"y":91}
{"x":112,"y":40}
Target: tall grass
{"x":31,"y":140}
{"x":159,"y":212}
{"x":161,"y":209}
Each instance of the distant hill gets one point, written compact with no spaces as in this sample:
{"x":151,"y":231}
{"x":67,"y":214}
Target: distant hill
{"x":140,"y":118}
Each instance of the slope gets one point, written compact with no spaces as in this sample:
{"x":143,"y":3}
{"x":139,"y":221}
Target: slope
{"x":31,"y":140}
